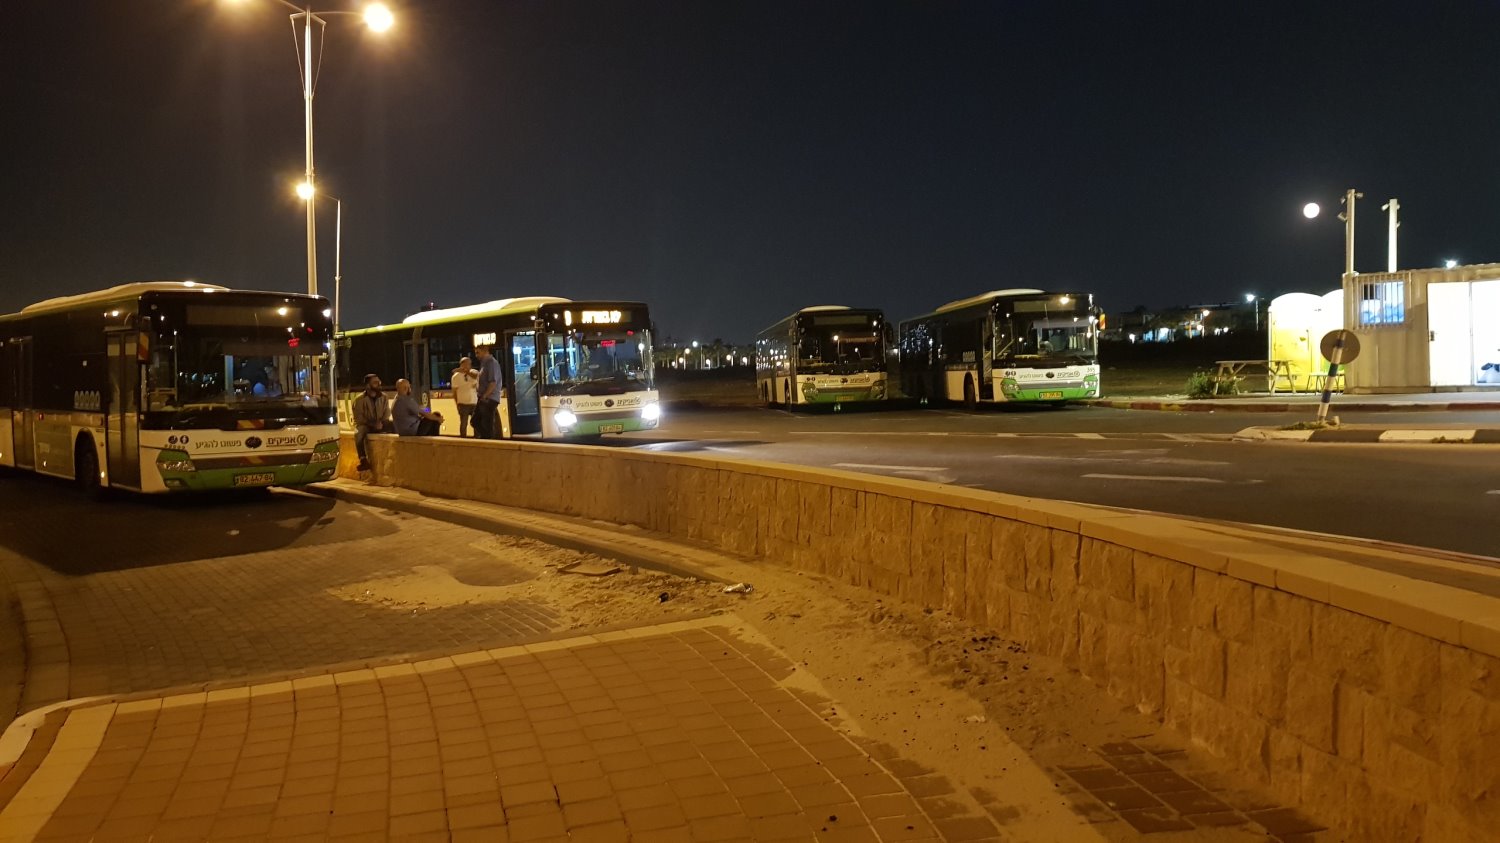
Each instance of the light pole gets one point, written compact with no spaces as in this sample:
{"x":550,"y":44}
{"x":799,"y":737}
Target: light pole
{"x":1251,"y":298}
{"x":1311,"y":209}
{"x":379,"y":19}
{"x":309,"y":194}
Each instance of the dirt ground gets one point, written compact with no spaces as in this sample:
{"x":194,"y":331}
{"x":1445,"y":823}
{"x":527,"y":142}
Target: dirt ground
{"x":992,"y":718}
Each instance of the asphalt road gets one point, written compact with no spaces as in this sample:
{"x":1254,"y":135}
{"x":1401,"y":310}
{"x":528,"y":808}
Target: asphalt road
{"x":1439,"y":496}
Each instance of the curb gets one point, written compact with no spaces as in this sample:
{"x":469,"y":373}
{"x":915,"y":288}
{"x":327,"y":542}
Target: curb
{"x":628,"y":547}
{"x":1211,"y":405}
{"x":1401,"y":436}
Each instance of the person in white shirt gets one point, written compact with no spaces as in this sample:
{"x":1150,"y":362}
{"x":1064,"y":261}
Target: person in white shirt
{"x":465,"y":393}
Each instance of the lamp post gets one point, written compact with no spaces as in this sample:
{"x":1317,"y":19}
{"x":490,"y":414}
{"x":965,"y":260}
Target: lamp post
{"x":379,"y":19}
{"x":309,"y":194}
{"x":1252,"y":299}
{"x":1311,"y":210}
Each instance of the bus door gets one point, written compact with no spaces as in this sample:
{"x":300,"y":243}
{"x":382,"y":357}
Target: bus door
{"x":987,"y":356}
{"x":415,"y":354}
{"x":122,"y":414}
{"x":18,"y":360}
{"x":522,"y":382}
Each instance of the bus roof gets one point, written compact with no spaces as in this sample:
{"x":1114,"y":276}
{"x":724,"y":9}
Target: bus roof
{"x":122,"y":291}
{"x":825,"y":308}
{"x":498,"y":307}
{"x":993,"y":294}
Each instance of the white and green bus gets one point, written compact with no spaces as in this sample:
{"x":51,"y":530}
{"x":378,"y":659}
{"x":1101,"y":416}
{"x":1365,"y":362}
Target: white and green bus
{"x":827,"y":355}
{"x":169,"y":386}
{"x":1008,"y":345}
{"x":568,"y":369}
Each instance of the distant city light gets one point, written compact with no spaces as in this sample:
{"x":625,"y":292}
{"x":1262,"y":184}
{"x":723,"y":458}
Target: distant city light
{"x":1450,"y":263}
{"x":1249,"y":297}
{"x":1310,"y":210}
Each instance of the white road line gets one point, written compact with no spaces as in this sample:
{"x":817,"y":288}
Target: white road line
{"x":858,"y":465}
{"x":1157,"y":477}
{"x":1493,"y":492}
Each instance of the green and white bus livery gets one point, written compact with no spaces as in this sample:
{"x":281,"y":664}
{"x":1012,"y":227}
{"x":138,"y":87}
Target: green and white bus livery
{"x":827,"y":355}
{"x":568,"y":369}
{"x":1019,"y":345}
{"x":169,"y":386}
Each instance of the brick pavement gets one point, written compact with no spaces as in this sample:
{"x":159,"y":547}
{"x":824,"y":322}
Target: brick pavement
{"x":151,"y":623}
{"x":674,"y":732}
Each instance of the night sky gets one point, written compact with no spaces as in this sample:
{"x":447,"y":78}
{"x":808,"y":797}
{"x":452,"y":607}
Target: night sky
{"x":729,"y":162}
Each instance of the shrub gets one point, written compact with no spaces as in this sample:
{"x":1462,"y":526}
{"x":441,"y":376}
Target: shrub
{"x":1201,"y":385}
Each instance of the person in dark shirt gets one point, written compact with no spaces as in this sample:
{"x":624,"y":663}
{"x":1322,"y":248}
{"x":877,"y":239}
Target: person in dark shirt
{"x":372,"y":413}
{"x":486,"y":409}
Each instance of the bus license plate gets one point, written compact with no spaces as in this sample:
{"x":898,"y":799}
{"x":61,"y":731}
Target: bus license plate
{"x":254,"y":479}
{"x":612,"y":428}
{"x":1047,"y":395}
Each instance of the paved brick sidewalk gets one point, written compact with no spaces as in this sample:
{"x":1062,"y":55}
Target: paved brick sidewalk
{"x":674,"y":732}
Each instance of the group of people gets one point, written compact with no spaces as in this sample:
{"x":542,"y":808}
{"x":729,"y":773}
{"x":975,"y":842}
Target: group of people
{"x":476,"y":391}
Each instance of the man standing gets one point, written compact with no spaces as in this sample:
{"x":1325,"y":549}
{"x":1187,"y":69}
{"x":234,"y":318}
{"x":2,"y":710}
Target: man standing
{"x":465,"y":394}
{"x":486,"y":408}
{"x":371,"y":414}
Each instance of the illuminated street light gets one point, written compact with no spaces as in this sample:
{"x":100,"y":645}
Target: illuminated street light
{"x":1254,"y":300}
{"x":379,"y":19}
{"x":1449,"y":263}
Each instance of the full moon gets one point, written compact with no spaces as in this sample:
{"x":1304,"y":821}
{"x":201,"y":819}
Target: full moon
{"x":1310,"y":210}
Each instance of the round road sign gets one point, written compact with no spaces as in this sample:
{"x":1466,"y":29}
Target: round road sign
{"x":1351,"y":345}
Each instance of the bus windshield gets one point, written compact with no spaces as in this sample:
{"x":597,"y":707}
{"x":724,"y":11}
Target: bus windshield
{"x":598,"y":362}
{"x":841,"y":344}
{"x":1065,"y":338}
{"x":203,"y":366}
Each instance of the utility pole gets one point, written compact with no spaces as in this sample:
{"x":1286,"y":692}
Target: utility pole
{"x":1347,"y":215}
{"x":1393,"y":206}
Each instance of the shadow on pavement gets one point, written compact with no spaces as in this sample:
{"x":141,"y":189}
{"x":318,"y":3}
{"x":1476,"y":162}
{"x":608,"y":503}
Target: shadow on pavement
{"x":51,"y":523}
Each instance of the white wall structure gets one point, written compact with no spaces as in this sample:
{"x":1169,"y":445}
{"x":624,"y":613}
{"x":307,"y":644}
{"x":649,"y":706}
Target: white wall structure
{"x":1425,"y":330}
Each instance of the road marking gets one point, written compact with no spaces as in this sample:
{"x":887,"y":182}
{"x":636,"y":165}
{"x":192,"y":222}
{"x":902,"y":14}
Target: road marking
{"x":1157,"y":477}
{"x":1493,"y":492}
{"x":858,"y":465}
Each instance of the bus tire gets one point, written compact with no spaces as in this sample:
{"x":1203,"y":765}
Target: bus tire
{"x":86,"y":469}
{"x":971,"y":395}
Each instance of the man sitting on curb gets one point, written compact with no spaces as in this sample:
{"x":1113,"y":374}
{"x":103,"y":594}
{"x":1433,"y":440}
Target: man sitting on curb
{"x":372,"y":413}
{"x":411,"y":419}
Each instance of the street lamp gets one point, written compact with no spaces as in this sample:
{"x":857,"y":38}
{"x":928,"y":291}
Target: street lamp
{"x":379,"y":19}
{"x":1254,"y":300}
{"x":307,"y":193}
{"x":1449,"y":263}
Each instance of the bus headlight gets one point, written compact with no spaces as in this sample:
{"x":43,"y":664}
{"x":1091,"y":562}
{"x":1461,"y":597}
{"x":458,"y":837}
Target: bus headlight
{"x":651,"y":412}
{"x":175,"y":461}
{"x":565,"y":418}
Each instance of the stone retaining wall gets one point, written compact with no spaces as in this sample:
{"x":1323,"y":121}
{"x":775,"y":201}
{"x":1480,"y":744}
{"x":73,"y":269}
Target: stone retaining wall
{"x":1368,"y":699}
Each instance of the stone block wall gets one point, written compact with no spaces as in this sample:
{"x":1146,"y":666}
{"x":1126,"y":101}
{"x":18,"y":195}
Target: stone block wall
{"x":1370,"y":700}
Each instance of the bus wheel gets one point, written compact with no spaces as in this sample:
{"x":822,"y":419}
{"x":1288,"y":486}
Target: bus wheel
{"x":971,"y":395}
{"x":86,"y":469}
